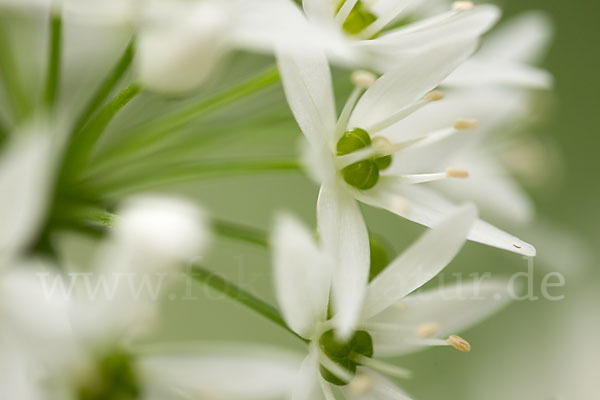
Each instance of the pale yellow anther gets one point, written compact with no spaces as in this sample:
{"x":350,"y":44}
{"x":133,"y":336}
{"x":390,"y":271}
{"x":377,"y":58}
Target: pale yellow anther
{"x":384,"y":145}
{"x":427,"y":330}
{"x":434,"y":95}
{"x":457,"y":173}
{"x":401,"y":206}
{"x":459,"y":343}
{"x":465,"y":124}
{"x":360,"y":385}
{"x":463,"y":6}
{"x":363,"y":79}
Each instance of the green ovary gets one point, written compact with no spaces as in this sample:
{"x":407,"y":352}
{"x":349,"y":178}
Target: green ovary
{"x":341,"y":353}
{"x":363,"y":174}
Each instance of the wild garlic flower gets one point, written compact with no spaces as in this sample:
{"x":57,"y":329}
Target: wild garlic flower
{"x":354,"y":158}
{"x":181,"y":43}
{"x":378,"y":34}
{"x":389,"y":319}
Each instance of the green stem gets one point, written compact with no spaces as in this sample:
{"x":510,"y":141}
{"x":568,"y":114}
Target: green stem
{"x":82,"y":143}
{"x":54,"y":55}
{"x":154,"y":131}
{"x":106,"y":86}
{"x":238,"y":294}
{"x":240,"y":232}
{"x":169,"y":174}
{"x":11,"y":76}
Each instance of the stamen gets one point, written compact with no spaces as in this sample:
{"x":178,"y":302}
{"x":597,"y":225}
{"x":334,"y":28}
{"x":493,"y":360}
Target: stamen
{"x":381,"y":366}
{"x":363,"y":79}
{"x":463,"y":6}
{"x":459,"y":343}
{"x":427,"y":330}
{"x":405,"y":112}
{"x":465,"y":124}
{"x":436,"y":176}
{"x":361,"y":384}
{"x":457,"y":173}
{"x":434,"y":95}
{"x":334,"y":367}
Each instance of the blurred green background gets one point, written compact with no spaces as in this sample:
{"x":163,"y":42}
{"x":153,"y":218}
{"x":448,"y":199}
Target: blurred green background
{"x":532,"y":350}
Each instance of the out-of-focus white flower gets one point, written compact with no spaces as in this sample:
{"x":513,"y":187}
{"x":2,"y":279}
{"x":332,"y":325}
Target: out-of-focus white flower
{"x":352,"y":31}
{"x":349,"y":156}
{"x":509,"y":54}
{"x":228,"y":372}
{"x":388,"y":320}
{"x":180,"y":43}
{"x":25,"y":172}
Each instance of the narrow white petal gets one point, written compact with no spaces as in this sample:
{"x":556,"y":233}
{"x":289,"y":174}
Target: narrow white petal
{"x":449,"y":310}
{"x":346,"y":241}
{"x":24,"y":178}
{"x":308,"y":379}
{"x":484,"y":72}
{"x":523,"y":38}
{"x":319,"y":10}
{"x":427,"y":207}
{"x":373,"y":386}
{"x":302,"y":276}
{"x":231,"y":374}
{"x":421,"y":262}
{"x":410,"y":80}
{"x":307,"y":83}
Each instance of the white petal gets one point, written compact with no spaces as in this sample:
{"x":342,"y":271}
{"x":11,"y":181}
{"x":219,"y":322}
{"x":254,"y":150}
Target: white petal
{"x":308,"y":379}
{"x":319,"y":10}
{"x":524,"y":38}
{"x":234,"y":373}
{"x":302,"y":276}
{"x":480,"y":72}
{"x":306,"y":79}
{"x":24,"y":181}
{"x":379,"y":388}
{"x":181,"y":44}
{"x":346,"y":241}
{"x":452,"y":309}
{"x":427,"y":208}
{"x":412,"y":78}
{"x":393,"y":47}
{"x":420,"y":262}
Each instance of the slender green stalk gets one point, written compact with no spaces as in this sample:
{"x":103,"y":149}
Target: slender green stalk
{"x":54,"y":56}
{"x":11,"y":76}
{"x":155,"y":130}
{"x":106,"y":86}
{"x":240,"y":232}
{"x":81,"y":144}
{"x":162,"y":175}
{"x":238,"y":294}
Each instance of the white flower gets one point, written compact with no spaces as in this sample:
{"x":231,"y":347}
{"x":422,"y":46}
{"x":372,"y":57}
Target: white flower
{"x":352,"y":31}
{"x":391,"y":320}
{"x":182,"y":42}
{"x":349,"y":156}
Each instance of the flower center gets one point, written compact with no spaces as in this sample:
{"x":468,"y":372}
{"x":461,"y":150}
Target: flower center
{"x":344,"y":353}
{"x":363,"y":174}
{"x":358,"y":19}
{"x":113,"y":378}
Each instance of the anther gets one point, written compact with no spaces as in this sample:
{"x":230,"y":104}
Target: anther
{"x":361,"y":384}
{"x":463,"y":6}
{"x":363,"y":79}
{"x":459,"y":343}
{"x":465,"y":124}
{"x":457,"y":173}
{"x":434,"y":95}
{"x":427,"y":330}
